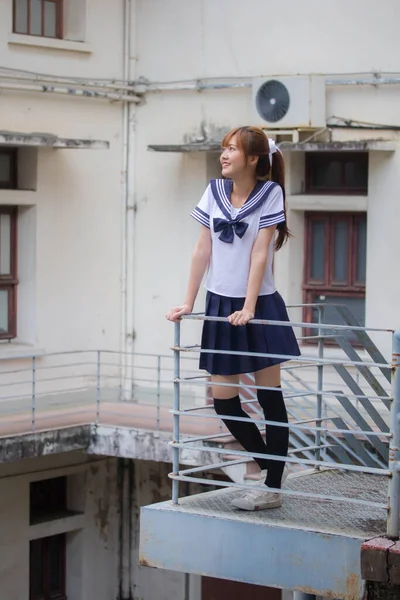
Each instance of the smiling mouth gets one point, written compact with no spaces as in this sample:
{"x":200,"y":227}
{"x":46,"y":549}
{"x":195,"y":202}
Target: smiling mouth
{"x":225,"y":165}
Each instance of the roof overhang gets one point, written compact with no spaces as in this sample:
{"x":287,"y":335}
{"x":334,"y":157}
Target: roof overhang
{"x":372,"y":145}
{"x":48,"y":140}
{"x":337,"y":146}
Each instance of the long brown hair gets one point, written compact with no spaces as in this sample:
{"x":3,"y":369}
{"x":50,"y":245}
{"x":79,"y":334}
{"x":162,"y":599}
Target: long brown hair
{"x":253,"y":142}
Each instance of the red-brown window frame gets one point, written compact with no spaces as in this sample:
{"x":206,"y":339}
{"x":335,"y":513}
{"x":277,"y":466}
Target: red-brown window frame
{"x":10,"y":282}
{"x":353,"y":288}
{"x":46,"y":574}
{"x":59,"y":19}
{"x":11,"y":184}
{"x":342,"y":157}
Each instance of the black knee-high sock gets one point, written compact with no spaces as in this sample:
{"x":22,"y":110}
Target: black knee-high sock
{"x":246,"y":433}
{"x":277,"y":438}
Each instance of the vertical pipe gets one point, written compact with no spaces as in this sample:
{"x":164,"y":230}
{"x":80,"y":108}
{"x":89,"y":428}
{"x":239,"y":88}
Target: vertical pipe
{"x":175,"y":457}
{"x":320,"y":379}
{"x":33,"y":401}
{"x":98,"y":385}
{"x":128,"y":193}
{"x":158,"y":390}
{"x":394,"y":447}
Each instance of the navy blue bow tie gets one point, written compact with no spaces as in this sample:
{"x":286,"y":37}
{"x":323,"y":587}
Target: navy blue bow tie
{"x":227,"y":229}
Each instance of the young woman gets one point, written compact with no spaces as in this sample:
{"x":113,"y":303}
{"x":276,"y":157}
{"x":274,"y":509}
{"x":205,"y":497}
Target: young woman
{"x":243,"y":220}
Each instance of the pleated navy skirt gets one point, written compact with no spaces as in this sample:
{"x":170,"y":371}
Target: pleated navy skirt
{"x":266,"y":339}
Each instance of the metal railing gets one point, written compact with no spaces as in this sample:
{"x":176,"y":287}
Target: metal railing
{"x":91,"y":385}
{"x":350,"y":424}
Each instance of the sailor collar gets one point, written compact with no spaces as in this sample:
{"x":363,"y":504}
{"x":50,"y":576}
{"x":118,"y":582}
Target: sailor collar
{"x":221,"y":190}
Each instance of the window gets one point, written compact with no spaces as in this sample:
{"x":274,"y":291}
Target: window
{"x":48,"y":499}
{"x":8,"y":271}
{"x":47,"y":568}
{"x":38,"y":17}
{"x":335,"y":265}
{"x":8,"y":168}
{"x":337,"y":173}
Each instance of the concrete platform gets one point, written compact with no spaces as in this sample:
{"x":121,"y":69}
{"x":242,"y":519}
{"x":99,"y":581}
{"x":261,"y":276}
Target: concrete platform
{"x":310,"y":545}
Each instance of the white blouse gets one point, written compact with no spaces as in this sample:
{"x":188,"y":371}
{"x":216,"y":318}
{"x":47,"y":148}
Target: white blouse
{"x":233,"y":233}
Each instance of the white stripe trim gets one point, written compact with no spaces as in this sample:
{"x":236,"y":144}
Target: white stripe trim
{"x":276,"y":221}
{"x":200,"y":218}
{"x":257,"y":197}
{"x":222,"y":194}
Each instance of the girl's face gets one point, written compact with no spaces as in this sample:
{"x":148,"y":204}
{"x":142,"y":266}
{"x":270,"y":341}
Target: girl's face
{"x":233,"y":160}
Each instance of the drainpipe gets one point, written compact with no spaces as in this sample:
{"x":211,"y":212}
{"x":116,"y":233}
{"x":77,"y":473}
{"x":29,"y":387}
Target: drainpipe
{"x":128,"y":214}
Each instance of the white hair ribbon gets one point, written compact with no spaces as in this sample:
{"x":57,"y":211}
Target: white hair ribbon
{"x":272,"y":149}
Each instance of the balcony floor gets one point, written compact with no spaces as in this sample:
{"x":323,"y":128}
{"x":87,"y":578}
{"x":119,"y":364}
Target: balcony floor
{"x":311,"y":545}
{"x":319,"y":515}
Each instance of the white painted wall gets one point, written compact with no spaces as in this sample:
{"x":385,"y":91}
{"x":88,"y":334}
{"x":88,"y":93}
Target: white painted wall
{"x":229,"y":39}
{"x":71,"y":214}
{"x":70,"y":227}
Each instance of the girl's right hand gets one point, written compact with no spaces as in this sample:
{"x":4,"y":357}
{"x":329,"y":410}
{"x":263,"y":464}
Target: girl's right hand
{"x":178,"y":311}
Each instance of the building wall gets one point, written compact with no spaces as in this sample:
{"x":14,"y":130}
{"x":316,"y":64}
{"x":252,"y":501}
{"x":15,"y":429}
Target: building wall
{"x":92,"y":536}
{"x":71,"y":214}
{"x":95,"y":536}
{"x":228,"y":40}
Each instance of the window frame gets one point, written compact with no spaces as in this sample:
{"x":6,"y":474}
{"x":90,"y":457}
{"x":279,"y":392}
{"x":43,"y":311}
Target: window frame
{"x":59,"y":20}
{"x":46,"y":574}
{"x":353,"y":288}
{"x":46,"y":498}
{"x":10,"y":282}
{"x":12,"y":183}
{"x":341,"y":190}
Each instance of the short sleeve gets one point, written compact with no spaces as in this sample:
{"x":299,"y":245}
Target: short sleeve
{"x":202,"y":211}
{"x":272,"y":211}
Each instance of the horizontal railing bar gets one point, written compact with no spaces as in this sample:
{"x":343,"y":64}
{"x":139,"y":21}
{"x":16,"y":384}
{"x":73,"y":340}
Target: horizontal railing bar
{"x":290,"y":393}
{"x":275,"y":457}
{"x":197,"y":317}
{"x":283,"y":491}
{"x":311,"y":360}
{"x":280,"y":424}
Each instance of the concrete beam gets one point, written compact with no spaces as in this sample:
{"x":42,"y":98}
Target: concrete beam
{"x":272,"y":555}
{"x":44,"y":443}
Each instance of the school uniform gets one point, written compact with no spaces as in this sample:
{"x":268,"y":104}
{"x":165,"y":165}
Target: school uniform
{"x":233,"y":233}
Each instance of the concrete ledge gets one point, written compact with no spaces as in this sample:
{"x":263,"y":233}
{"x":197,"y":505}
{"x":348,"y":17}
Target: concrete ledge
{"x":374,"y":563}
{"x":394,"y":564}
{"x":245,"y":548}
{"x":380,"y":561}
{"x":43,"y":443}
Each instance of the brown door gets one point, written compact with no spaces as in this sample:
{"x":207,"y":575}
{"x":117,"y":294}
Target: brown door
{"x":222,"y":589}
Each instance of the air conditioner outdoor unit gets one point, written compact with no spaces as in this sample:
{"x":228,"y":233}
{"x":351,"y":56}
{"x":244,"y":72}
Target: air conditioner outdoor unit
{"x":289,"y":102}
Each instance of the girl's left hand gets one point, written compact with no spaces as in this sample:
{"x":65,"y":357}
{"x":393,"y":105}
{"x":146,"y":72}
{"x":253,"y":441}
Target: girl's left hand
{"x":240,"y":317}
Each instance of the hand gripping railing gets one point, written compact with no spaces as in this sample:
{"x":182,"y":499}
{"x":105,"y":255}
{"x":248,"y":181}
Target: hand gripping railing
{"x":365,"y":447}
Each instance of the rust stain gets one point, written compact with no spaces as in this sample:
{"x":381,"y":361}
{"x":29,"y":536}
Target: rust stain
{"x":325,"y":593}
{"x":143,"y":562}
{"x":353,"y":587}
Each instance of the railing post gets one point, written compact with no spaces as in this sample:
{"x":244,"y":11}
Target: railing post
{"x":394,"y":448}
{"x":320,"y":380}
{"x":98,"y":385}
{"x":177,"y":403}
{"x":158,"y":390}
{"x":33,"y":400}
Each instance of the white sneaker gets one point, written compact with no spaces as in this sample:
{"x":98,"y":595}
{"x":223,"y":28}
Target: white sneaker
{"x":258,"y":500}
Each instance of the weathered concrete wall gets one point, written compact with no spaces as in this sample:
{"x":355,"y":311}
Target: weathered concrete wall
{"x":92,"y":536}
